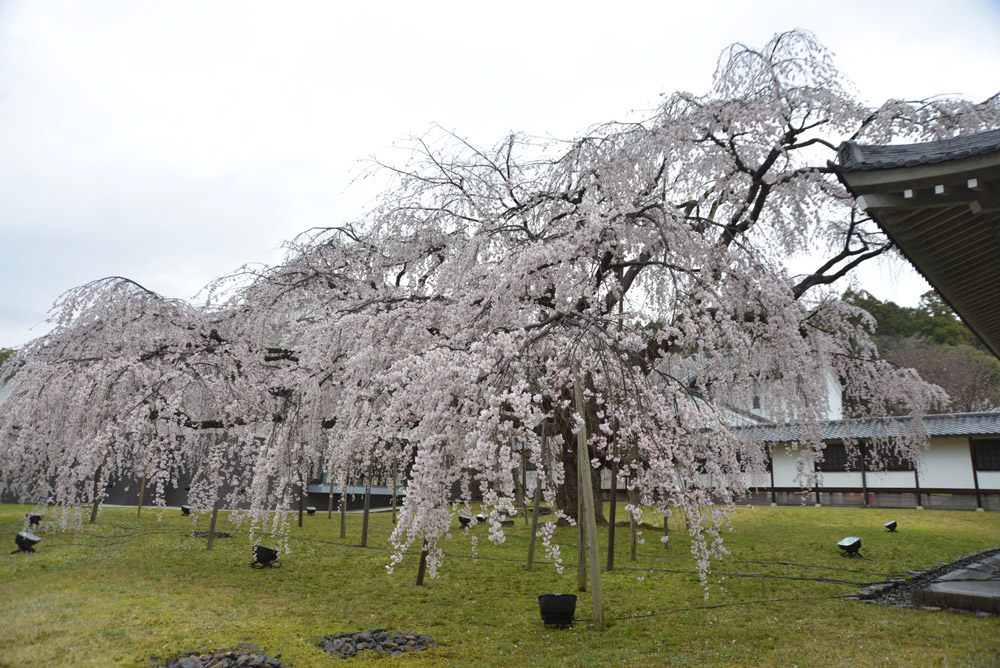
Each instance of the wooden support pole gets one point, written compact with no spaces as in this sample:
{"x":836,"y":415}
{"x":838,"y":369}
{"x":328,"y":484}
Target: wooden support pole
{"x":581,"y":531}
{"x":329,"y":504}
{"x":583,"y":462}
{"x":368,"y":498}
{"x":666,"y":527}
{"x":422,"y":568}
{"x":633,"y":527}
{"x":395,"y":483}
{"x":142,"y":492}
{"x":524,"y":484}
{"x":536,"y":506}
{"x":343,"y":509}
{"x":302,"y":499}
{"x":612,"y":512}
{"x":211,"y":525}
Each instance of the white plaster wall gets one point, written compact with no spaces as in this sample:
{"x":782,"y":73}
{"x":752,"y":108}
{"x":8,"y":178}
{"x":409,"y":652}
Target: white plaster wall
{"x":834,"y":398}
{"x":947,"y":463}
{"x":989,"y":480}
{"x":840,"y":479}
{"x":890,"y":479}
{"x":783,"y":463}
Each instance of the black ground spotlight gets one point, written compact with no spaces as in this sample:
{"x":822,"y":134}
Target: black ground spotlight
{"x":311,"y":510}
{"x":464,"y":520}
{"x":26,"y":541}
{"x":891,"y":525}
{"x":186,"y":510}
{"x":34,"y":519}
{"x":557,"y":609}
{"x":264,"y":557}
{"x":850,"y":546}
{"x":480,"y":518}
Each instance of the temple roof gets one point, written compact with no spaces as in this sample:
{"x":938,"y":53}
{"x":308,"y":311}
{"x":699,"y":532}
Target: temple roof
{"x":939,"y":202}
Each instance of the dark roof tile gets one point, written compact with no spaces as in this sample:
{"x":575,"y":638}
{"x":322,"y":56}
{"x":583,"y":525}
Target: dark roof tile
{"x":852,"y":156}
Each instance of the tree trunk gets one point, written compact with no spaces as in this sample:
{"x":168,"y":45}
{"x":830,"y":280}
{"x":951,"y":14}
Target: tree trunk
{"x":423,"y":565}
{"x":567,"y":495}
{"x":368,"y":498}
{"x":588,"y":513}
{"x":97,"y":495}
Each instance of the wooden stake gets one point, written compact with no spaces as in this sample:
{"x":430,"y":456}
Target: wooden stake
{"x":368,"y":498}
{"x":423,"y":565}
{"x":343,"y":509}
{"x":395,"y":483}
{"x":583,"y":463}
{"x":302,"y":499}
{"x":633,"y":527}
{"x":211,"y":526}
{"x":537,"y":503}
{"x":329,"y":505}
{"x":142,"y":492}
{"x":613,"y":510}
{"x":581,"y":532}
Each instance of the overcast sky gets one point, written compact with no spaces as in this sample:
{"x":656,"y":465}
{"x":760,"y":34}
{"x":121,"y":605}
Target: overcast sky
{"x":171,"y":142}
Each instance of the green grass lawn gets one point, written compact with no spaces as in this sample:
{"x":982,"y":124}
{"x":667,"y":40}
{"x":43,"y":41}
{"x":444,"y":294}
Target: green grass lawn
{"x":125,"y":588}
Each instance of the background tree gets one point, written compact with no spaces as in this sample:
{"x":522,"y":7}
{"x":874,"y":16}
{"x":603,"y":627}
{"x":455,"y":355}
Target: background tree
{"x":932,"y":340}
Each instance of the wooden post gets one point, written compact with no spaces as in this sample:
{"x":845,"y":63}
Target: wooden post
{"x":395,"y":482}
{"x":581,"y":532}
{"x":368,"y":497}
{"x":583,"y":462}
{"x":343,"y":509}
{"x":864,"y":478}
{"x":633,"y":526}
{"x":302,"y":498}
{"x":612,"y":511}
{"x":329,"y":504}
{"x":423,"y":565}
{"x":211,"y":525}
{"x":666,"y":527}
{"x":975,"y":474}
{"x":524,"y":484}
{"x":142,"y":492}
{"x":537,"y":503}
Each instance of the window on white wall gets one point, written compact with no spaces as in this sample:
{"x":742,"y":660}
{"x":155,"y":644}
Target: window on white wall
{"x":987,"y":454}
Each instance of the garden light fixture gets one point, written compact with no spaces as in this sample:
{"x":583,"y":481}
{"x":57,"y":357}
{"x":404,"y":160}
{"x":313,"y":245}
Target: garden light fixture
{"x":850,"y":545}
{"x":891,"y":525}
{"x":26,"y":541}
{"x":264,"y":557}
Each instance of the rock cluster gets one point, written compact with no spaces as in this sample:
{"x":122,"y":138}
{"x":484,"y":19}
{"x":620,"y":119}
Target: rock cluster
{"x":899,"y":591}
{"x":379,"y":641}
{"x":244,"y":656}
{"x":204,"y":534}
